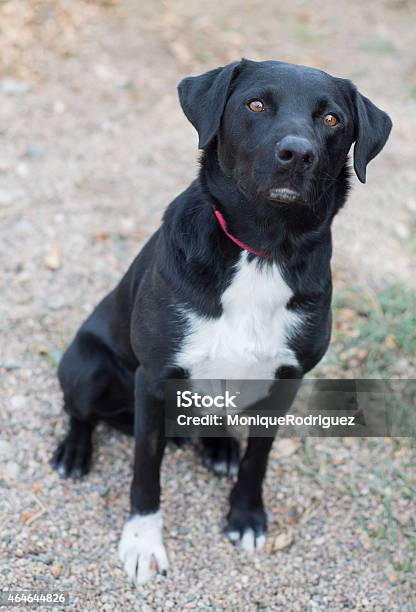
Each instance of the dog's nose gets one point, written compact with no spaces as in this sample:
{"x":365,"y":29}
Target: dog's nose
{"x":295,"y":152}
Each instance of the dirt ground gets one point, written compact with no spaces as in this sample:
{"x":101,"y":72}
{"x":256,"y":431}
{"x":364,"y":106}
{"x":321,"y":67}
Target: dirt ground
{"x":93,"y":148}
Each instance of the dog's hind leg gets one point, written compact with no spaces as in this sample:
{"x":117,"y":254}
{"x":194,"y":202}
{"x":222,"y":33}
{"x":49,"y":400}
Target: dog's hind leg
{"x":72,"y":458}
{"x":220,"y":455}
{"x":96,"y":386}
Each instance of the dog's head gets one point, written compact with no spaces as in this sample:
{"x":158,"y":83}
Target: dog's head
{"x":283,"y":131}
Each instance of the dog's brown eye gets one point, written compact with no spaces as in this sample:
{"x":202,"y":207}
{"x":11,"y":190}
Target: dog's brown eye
{"x":256,"y":106}
{"x":330,"y":120}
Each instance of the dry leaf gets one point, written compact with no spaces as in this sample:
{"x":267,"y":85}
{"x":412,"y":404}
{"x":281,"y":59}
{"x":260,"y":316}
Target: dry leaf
{"x":347,"y":314}
{"x":391,"y":574}
{"x":366,"y":541}
{"x":390,"y":342}
{"x":26,"y":516}
{"x":283,"y":540}
{"x":100,"y":235}
{"x":286,"y":515}
{"x":286,"y":447}
{"x":180,"y":51}
{"x":362,"y":353}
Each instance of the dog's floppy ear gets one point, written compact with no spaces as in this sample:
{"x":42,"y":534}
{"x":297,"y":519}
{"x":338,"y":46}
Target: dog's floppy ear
{"x":372,"y":128}
{"x":203,"y":100}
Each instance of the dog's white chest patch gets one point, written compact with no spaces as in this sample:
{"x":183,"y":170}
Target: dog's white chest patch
{"x":250,"y":339}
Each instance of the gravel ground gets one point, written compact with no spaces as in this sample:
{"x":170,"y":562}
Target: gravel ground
{"x":94,"y":146}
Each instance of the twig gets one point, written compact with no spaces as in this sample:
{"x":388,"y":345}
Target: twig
{"x":43,"y":510}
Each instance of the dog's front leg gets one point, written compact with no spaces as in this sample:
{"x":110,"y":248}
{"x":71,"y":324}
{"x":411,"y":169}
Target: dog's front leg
{"x":141,"y":547}
{"x":246,"y":520}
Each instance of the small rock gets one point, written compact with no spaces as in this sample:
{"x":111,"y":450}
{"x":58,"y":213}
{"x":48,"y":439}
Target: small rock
{"x":103,"y":72}
{"x":44,"y":558}
{"x":56,"y":302}
{"x":402,"y":231}
{"x":5,"y":165}
{"x":5,"y":448}
{"x":411,"y":205}
{"x":18,"y":401}
{"x":33,"y":151}
{"x":127,"y":224}
{"x":14,"y":86}
{"x":10,"y":365}
{"x":53,"y":261}
{"x":12,"y":470}
{"x":57,"y":570}
{"x":6,"y":197}
{"x":22,"y":169}
{"x":107,"y":126}
{"x":59,"y":107}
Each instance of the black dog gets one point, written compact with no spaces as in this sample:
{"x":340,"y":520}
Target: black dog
{"x":235,"y":284}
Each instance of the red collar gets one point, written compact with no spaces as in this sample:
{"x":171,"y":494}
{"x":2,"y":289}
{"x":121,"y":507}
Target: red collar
{"x":223,"y":225}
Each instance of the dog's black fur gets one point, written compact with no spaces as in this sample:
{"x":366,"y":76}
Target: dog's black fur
{"x":116,"y":367}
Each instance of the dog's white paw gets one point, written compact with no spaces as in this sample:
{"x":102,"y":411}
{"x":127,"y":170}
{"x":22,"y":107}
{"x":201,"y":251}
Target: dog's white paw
{"x":141,"y":548}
